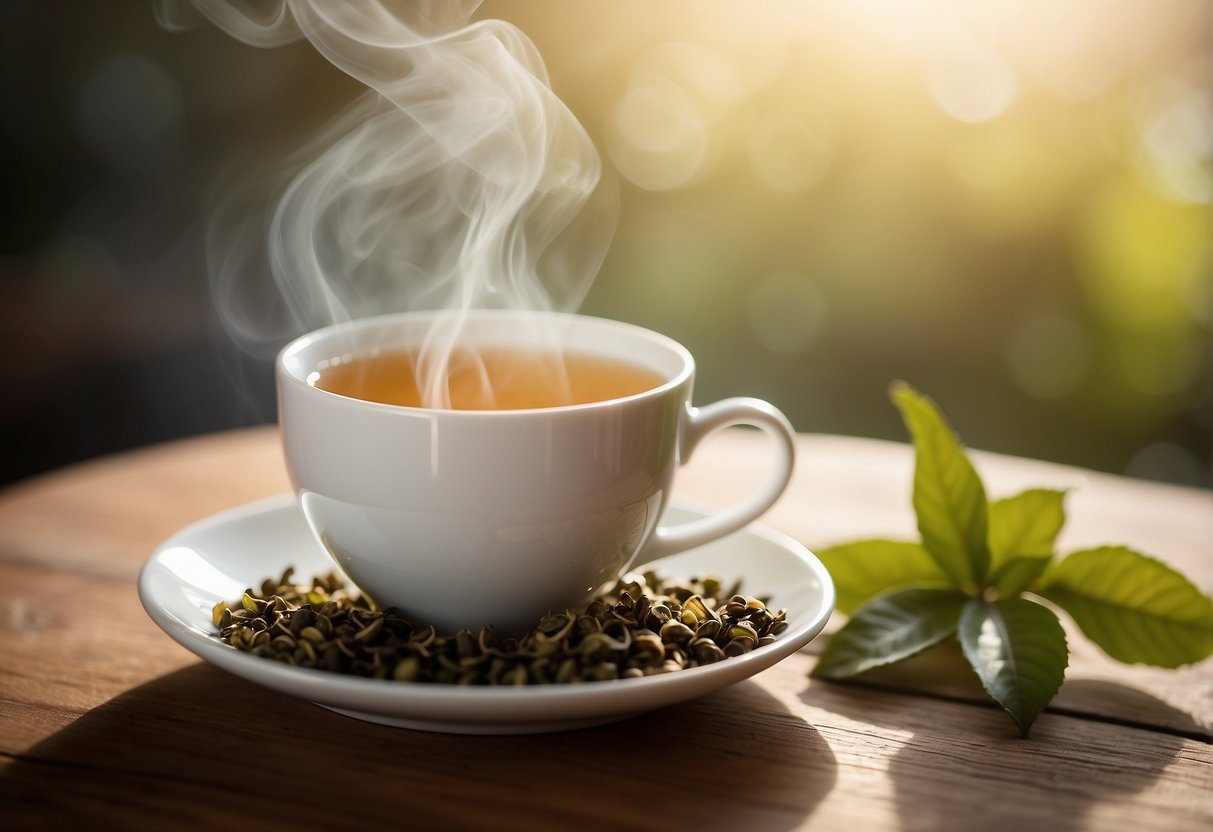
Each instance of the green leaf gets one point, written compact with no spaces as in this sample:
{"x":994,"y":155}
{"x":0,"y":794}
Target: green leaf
{"x":1018,"y":574}
{"x":1025,"y":525}
{"x":1018,"y":649}
{"x":866,"y":568}
{"x":1134,"y":607}
{"x":948,"y":495}
{"x":891,"y":628}
{"x":1022,"y":528}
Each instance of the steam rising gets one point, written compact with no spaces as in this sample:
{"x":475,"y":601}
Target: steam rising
{"x":457,"y":181}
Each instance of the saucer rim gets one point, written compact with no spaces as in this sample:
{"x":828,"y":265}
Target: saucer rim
{"x":408,"y":703}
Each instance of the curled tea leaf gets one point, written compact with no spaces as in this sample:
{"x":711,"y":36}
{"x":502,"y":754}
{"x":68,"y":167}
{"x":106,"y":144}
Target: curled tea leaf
{"x":644,"y":626}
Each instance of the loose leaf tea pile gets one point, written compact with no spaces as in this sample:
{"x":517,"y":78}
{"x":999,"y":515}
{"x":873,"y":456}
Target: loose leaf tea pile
{"x":644,"y":626}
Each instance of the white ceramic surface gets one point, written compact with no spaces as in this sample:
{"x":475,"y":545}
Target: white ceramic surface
{"x":465,"y":518}
{"x":221,"y":556}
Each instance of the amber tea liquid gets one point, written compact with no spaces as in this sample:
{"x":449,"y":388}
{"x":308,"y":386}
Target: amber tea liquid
{"x":495,"y":379}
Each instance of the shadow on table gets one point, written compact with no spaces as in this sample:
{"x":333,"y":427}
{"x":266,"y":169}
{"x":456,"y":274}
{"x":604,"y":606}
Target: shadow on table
{"x":201,"y":744}
{"x":943,"y":672}
{"x":964,"y":765}
{"x":1079,"y":696}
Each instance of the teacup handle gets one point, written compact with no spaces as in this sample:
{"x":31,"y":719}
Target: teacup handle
{"x":698,"y":423}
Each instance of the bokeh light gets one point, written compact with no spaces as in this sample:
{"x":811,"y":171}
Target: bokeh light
{"x":785,"y":312}
{"x":789,"y":154}
{"x":971,"y":82}
{"x":130,"y":115}
{"x":1175,"y":123}
{"x":1004,"y":202}
{"x":1048,"y":356}
{"x":659,"y":140}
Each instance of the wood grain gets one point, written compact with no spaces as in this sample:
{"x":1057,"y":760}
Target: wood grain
{"x":105,"y":721}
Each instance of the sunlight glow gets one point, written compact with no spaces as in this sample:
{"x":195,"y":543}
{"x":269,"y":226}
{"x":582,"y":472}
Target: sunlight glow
{"x":971,"y":82}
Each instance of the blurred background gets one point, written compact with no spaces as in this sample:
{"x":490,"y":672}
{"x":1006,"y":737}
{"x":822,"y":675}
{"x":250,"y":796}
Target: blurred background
{"x":1007,"y":204}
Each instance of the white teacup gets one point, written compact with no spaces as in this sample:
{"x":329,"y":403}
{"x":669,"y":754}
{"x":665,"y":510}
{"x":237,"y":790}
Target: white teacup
{"x":463,"y":518}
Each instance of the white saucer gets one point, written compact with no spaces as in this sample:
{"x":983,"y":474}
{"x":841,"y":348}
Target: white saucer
{"x":219,"y":557}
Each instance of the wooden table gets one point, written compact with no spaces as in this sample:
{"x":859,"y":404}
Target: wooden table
{"x":104,"y":721}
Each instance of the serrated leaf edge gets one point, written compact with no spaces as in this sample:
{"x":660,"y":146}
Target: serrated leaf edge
{"x":975,"y":603}
{"x":976,"y":564}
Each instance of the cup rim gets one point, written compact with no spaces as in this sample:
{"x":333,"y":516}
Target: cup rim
{"x":285,"y":374}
